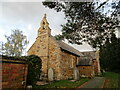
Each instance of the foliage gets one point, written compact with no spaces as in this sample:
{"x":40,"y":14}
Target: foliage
{"x":112,"y":80}
{"x":23,"y":58}
{"x":109,"y":54}
{"x":34,"y":69}
{"x":15,"y":44}
{"x":84,"y":23}
{"x":95,"y":25}
{"x":116,"y":6}
{"x":65,"y":84}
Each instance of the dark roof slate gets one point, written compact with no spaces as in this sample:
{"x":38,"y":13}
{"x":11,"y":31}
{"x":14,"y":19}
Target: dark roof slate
{"x":69,"y":48}
{"x":90,"y":54}
{"x":84,"y":62}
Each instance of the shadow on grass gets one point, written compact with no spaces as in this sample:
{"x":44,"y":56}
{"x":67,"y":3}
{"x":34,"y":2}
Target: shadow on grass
{"x":64,"y":84}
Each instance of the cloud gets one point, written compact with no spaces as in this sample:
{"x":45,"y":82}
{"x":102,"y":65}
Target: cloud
{"x":27,"y":16}
{"x":2,"y":31}
{"x":30,"y":12}
{"x":24,"y":13}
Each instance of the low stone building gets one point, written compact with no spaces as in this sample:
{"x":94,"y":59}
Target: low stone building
{"x":59,"y":60}
{"x":86,"y":67}
{"x":89,"y":64}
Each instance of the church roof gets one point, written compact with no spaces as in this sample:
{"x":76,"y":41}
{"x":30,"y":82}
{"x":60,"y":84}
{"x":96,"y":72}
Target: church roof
{"x":69,"y":48}
{"x":84,"y":62}
{"x":90,"y":54}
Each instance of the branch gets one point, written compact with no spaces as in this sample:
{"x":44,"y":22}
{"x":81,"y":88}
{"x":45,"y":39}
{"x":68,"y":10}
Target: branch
{"x":102,"y":4}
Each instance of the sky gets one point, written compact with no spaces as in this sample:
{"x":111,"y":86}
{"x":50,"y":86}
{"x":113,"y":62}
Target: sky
{"x":26,"y":16}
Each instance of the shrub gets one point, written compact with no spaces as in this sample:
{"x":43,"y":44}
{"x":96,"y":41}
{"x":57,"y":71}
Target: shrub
{"x":34,"y":69}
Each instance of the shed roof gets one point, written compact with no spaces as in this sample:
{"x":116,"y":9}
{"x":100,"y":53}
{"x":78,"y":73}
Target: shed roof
{"x":90,"y":54}
{"x":69,"y":48}
{"x":84,"y":62}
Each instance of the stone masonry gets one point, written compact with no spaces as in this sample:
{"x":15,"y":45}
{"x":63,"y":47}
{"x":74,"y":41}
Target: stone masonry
{"x":53,"y":56}
{"x":59,"y":58}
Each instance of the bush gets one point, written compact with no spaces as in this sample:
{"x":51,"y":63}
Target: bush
{"x":34,"y":69}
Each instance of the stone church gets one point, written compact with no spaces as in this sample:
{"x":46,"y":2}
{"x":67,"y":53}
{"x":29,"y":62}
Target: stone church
{"x":59,"y":60}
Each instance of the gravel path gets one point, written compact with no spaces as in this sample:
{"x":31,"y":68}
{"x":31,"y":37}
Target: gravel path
{"x":96,"y":82}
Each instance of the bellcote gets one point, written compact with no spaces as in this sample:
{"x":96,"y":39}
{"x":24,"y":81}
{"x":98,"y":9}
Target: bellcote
{"x":44,"y":27}
{"x":44,"y":23}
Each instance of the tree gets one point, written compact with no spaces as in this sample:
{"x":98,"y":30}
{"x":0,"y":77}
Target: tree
{"x":84,"y":23}
{"x":109,"y":54}
{"x":16,"y":43}
{"x":34,"y":69}
{"x":94,"y":24}
{"x":116,"y":7}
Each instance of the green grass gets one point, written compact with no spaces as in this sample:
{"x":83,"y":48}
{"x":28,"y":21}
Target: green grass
{"x":64,"y":84}
{"x":112,"y":80}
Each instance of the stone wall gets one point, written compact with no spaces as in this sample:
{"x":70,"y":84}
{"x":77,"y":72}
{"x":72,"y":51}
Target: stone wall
{"x":96,"y":68}
{"x":97,"y":64}
{"x":62,"y":63}
{"x":86,"y":71}
{"x":46,"y":47}
{"x":54,"y":58}
{"x":40,"y":48}
{"x":67,"y":65}
{"x":14,"y":73}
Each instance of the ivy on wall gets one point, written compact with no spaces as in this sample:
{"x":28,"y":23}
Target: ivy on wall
{"x":34,"y":69}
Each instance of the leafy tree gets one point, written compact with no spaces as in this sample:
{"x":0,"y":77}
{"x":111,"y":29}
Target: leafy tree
{"x":84,"y":23}
{"x":109,"y":54}
{"x":34,"y":69}
{"x":91,"y":23}
{"x":15,"y":44}
{"x":116,"y":7}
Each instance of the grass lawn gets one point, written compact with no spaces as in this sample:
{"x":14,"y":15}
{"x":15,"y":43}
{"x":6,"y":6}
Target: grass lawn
{"x":64,"y":84}
{"x":112,"y":80}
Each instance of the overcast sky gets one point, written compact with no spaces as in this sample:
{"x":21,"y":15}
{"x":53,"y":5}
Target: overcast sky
{"x":27,"y":16}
